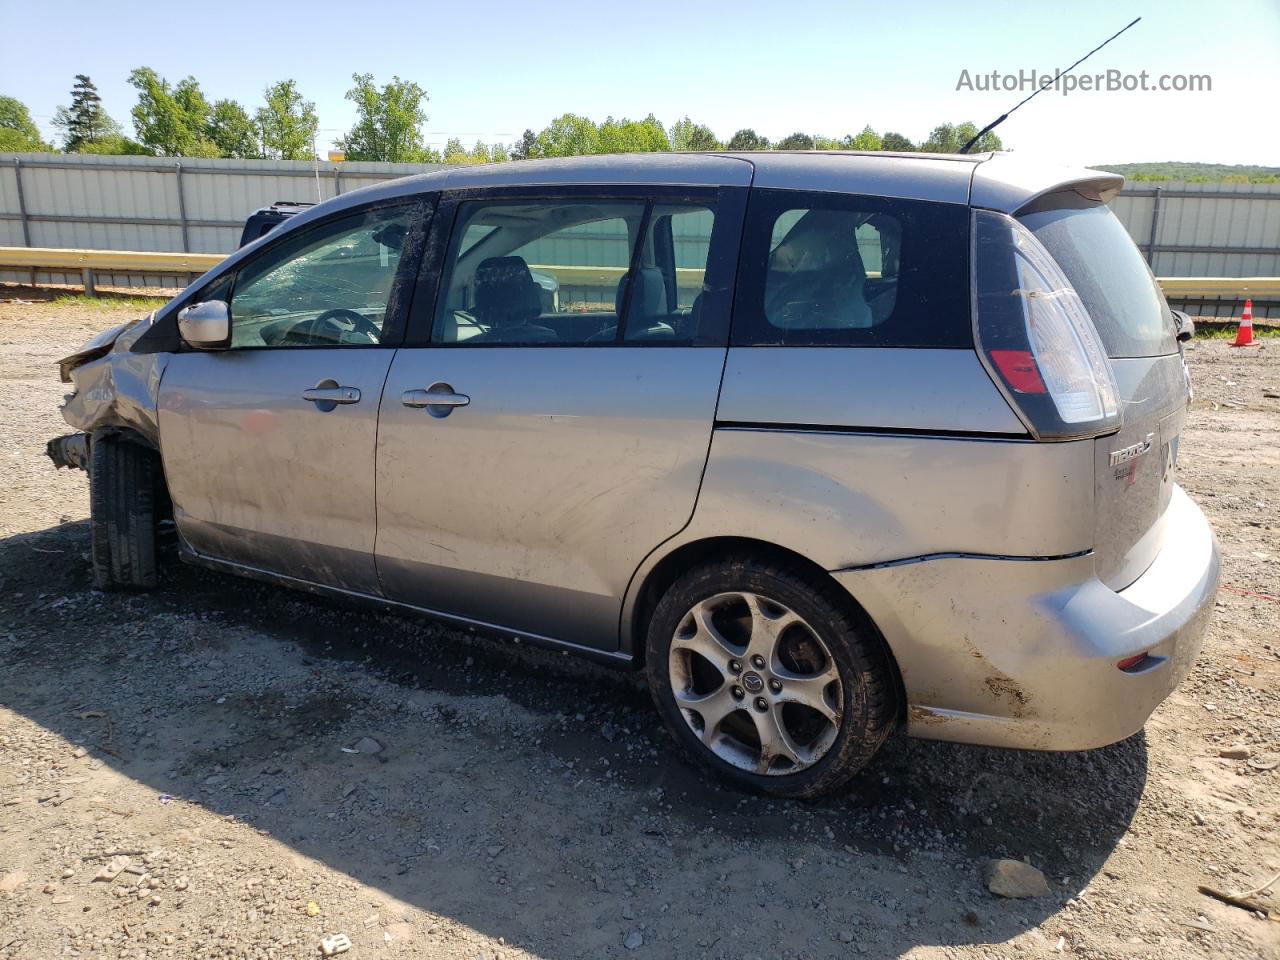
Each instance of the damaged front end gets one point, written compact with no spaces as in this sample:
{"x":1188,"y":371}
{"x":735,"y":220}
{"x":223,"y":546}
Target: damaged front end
{"x":115,"y":391}
{"x":70,"y":451}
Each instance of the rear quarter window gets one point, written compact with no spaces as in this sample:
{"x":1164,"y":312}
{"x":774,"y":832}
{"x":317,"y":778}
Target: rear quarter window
{"x":1106,"y":268}
{"x":834,"y":270}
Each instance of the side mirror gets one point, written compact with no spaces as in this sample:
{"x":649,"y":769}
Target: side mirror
{"x":206,"y":326}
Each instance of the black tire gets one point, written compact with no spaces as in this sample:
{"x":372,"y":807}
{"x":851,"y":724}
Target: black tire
{"x":124,"y":479}
{"x":869,"y":689}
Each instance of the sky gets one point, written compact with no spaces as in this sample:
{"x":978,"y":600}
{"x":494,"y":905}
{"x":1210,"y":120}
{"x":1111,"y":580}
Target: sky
{"x":493,"y":69}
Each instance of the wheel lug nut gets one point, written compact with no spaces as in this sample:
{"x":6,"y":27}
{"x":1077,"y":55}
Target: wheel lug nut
{"x":761,"y":704}
{"x":735,"y":666}
{"x":738,"y":693}
{"x":758,"y":662}
{"x":775,"y":686}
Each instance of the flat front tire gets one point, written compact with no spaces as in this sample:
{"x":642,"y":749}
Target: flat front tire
{"x":124,"y":482}
{"x":768,"y":677}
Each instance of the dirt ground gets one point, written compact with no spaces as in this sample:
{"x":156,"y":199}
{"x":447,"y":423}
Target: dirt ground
{"x":522,"y":804}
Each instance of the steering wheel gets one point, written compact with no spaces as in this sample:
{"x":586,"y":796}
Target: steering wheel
{"x":360,"y":323}
{"x":324,"y":328}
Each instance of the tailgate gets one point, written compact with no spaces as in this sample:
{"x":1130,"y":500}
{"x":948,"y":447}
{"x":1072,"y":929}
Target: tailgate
{"x":1133,"y":474}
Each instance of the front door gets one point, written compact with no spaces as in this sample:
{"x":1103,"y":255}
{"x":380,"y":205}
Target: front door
{"x":268,"y":446}
{"x":555,"y":428}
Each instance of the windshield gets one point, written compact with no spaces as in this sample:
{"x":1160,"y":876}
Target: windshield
{"x":1103,"y":264}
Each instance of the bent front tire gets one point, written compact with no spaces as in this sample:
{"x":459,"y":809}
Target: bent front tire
{"x":124,"y":481}
{"x":769,"y":678}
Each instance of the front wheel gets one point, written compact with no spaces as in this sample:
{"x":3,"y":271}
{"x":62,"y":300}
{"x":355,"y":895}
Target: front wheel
{"x":124,"y":481}
{"x":769,"y":678}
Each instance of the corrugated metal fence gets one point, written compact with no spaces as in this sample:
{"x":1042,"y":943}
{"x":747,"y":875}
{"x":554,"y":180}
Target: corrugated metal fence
{"x":198,"y":206}
{"x":156,"y":203}
{"x":1206,"y":230}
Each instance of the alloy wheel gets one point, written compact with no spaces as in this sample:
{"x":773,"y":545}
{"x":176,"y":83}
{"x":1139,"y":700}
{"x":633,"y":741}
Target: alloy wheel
{"x":755,"y":683}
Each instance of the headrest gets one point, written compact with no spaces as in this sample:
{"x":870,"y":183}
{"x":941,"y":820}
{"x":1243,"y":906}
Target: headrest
{"x":505,"y":292}
{"x":650,"y":297}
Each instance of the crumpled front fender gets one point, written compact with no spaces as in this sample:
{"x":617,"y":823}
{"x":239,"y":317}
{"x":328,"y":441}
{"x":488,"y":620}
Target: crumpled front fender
{"x":119,"y":388}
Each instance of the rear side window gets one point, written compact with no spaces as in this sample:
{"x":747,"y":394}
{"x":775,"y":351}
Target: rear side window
{"x":825,"y":270}
{"x":1100,"y":259}
{"x":578,"y":272}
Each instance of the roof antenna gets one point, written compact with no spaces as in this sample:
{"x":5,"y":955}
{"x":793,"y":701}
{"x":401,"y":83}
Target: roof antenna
{"x":1005,"y":116}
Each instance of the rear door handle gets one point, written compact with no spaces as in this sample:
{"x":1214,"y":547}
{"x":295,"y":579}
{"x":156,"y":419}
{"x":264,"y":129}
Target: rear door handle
{"x":325,"y":395}
{"x":434,"y":398}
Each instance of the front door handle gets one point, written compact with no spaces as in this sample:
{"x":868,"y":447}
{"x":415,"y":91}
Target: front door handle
{"x":333,"y":394}
{"x":438,"y":399}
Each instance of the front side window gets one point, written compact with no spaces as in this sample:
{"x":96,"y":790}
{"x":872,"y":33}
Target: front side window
{"x":852,"y":271}
{"x":573,"y":272}
{"x":328,"y":286}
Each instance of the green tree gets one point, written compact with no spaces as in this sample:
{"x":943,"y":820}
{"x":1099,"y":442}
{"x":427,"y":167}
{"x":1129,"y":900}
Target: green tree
{"x":288,"y":123}
{"x":631,"y":136}
{"x":896,"y":142}
{"x":527,"y":148}
{"x":501,"y":154}
{"x":18,"y":132}
{"x":455,"y":153}
{"x":171,"y":121}
{"x":946,"y":138}
{"x":85,"y":124}
{"x":867,"y":139}
{"x":988,"y":141}
{"x":689,"y":136}
{"x":233,"y":131}
{"x":797,"y":141}
{"x":191,"y":101}
{"x":568,"y":135}
{"x":942,"y":139}
{"x":748,"y":139}
{"x":389,"y":120}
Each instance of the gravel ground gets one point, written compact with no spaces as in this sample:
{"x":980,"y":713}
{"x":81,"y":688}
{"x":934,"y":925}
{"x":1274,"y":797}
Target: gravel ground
{"x":505,"y":802}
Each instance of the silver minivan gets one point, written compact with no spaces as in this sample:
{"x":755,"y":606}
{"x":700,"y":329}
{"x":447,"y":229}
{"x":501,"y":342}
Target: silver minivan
{"x":824,"y":443}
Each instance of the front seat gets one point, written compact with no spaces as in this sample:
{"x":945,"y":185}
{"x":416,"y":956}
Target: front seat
{"x":647,"y":312}
{"x":507,"y":301}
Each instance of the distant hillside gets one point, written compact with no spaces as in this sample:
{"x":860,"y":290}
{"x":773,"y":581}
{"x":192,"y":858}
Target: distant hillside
{"x":1195,"y":172}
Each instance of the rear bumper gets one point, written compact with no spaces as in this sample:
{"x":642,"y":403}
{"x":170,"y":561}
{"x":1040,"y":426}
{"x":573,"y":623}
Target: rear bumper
{"x":1023,"y":653}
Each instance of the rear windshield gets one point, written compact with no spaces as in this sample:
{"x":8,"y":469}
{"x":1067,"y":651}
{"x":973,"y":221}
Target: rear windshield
{"x":1102,"y":263}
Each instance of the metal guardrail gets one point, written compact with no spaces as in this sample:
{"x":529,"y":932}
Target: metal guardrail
{"x":132,"y":261}
{"x":88,"y":262}
{"x":1238,"y":287}
{"x":122,"y":261}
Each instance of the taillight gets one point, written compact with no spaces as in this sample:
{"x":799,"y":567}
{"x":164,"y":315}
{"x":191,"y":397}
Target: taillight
{"x":1035,"y":335}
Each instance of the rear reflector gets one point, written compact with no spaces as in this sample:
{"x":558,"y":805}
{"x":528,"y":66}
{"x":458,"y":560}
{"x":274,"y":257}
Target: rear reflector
{"x":1018,"y":367}
{"x":1129,"y":663}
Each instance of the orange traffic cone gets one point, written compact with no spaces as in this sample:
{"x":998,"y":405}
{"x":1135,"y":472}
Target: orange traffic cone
{"x":1244,"y":333}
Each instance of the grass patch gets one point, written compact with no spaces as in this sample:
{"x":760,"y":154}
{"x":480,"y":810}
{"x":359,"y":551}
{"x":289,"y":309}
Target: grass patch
{"x":1227,"y":331}
{"x":109,"y":301}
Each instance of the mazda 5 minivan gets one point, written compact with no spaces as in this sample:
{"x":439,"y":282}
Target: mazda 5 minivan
{"x":824,"y":443}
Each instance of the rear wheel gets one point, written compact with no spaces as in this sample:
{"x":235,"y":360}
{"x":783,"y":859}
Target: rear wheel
{"x":767,"y":678}
{"x":124,"y":486}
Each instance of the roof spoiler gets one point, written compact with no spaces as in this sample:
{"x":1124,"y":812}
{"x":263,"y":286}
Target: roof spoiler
{"x":1007,"y":184}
